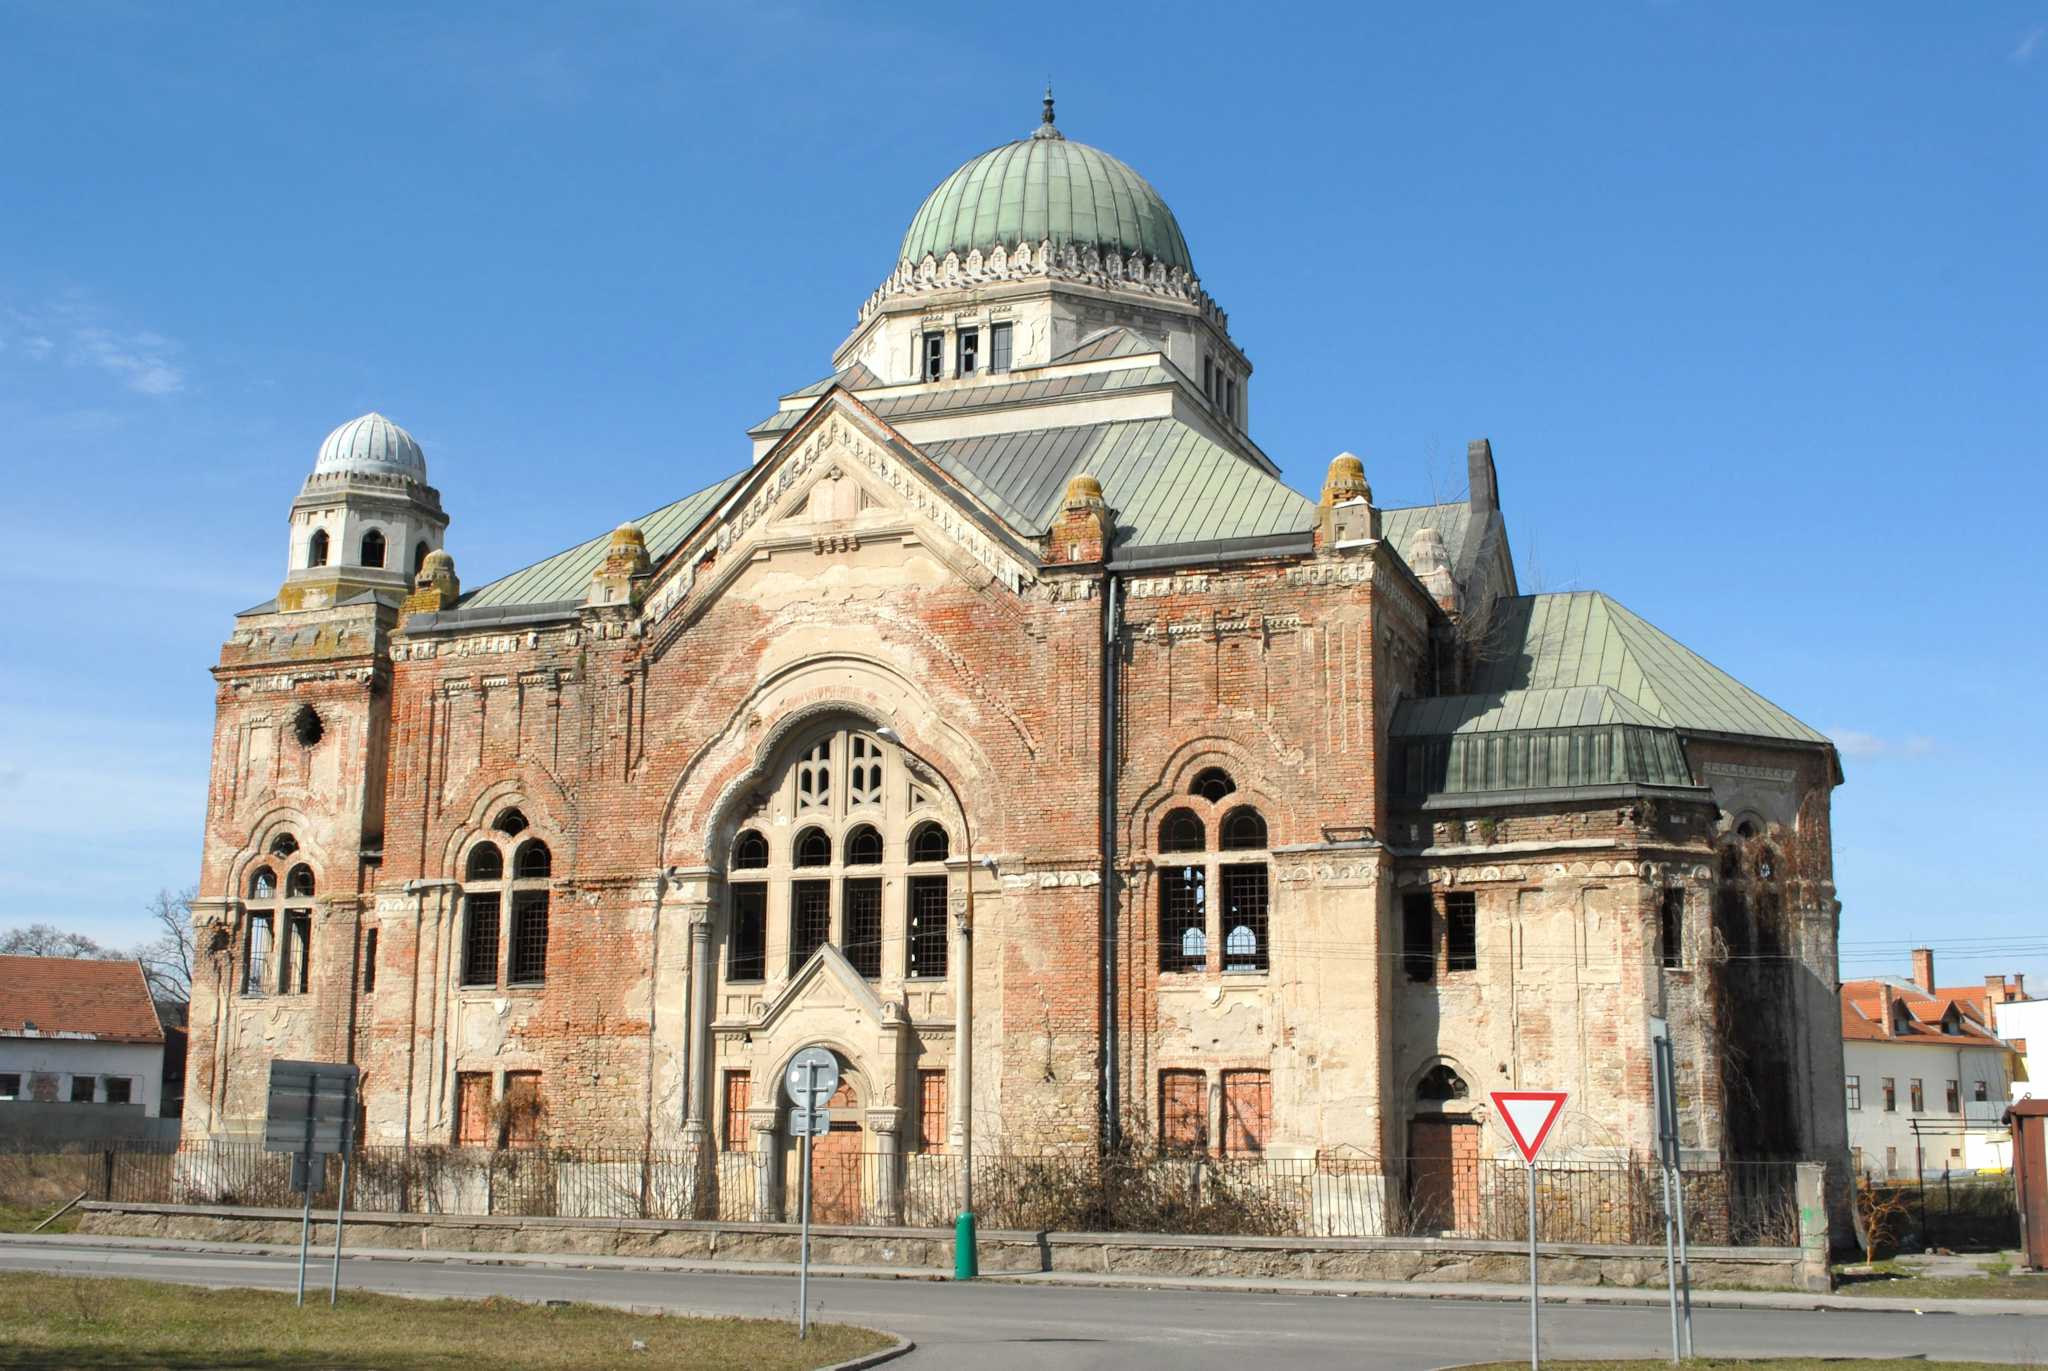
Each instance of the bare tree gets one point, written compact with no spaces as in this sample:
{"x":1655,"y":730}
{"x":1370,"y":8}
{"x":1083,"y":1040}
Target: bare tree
{"x":167,"y":958}
{"x":47,"y":940}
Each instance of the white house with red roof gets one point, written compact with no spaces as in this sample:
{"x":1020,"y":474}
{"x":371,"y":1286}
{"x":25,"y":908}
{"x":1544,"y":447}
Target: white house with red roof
{"x":1927,"y":1076}
{"x":77,"y":1032}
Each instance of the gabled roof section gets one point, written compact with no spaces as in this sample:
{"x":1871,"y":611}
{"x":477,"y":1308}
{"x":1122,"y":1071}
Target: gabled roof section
{"x":70,"y":997}
{"x":1453,"y":520}
{"x":855,"y":377}
{"x":566,"y":575}
{"x":1944,"y":1018}
{"x":1585,"y":639}
{"x":1104,"y":343}
{"x":1166,"y":482}
{"x":1569,"y":707}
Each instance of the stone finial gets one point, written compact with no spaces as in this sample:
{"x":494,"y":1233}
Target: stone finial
{"x":1082,"y":532}
{"x":1430,"y":560}
{"x":621,"y":578}
{"x":1347,"y":512}
{"x":436,"y":587}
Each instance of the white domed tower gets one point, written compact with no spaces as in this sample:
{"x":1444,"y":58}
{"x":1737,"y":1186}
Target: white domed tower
{"x":365,"y":519}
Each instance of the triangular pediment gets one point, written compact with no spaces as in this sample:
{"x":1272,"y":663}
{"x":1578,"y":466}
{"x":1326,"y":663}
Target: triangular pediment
{"x":838,"y":477}
{"x":826,"y":981}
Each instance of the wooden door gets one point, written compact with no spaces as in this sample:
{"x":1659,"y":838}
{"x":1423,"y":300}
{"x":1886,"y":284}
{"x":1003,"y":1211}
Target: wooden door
{"x":836,"y":1163}
{"x":1443,"y":1175}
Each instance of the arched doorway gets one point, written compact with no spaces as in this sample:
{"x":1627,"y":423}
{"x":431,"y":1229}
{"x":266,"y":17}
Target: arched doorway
{"x":1443,"y":1155}
{"x":837,"y":1163}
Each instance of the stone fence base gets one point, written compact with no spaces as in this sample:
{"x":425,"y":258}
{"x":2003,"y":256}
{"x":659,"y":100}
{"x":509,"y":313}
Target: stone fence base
{"x":1126,"y":1254}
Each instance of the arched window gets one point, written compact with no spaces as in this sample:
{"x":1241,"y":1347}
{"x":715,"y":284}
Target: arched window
{"x":864,"y":772}
{"x":1182,"y":831}
{"x":1439,"y":1083}
{"x":511,"y":823}
{"x":283,"y":845}
{"x":419,"y":558}
{"x":1244,"y":830}
{"x":497,"y":950}
{"x":299,"y":884}
{"x":813,"y":848}
{"x":316,"y":548}
{"x":749,"y":851}
{"x":1212,"y":784}
{"x":373,"y":548}
{"x":263,"y":885}
{"x":864,"y":846}
{"x":929,"y":843}
{"x":277,"y":936}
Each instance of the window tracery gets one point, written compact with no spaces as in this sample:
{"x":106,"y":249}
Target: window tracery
{"x":497,"y":949}
{"x":277,"y":935}
{"x":1237,"y":919}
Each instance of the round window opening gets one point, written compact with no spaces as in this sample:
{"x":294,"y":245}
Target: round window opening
{"x":307,"y":727}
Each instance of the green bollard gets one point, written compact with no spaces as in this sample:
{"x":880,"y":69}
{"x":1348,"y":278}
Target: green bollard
{"x":965,"y":1267}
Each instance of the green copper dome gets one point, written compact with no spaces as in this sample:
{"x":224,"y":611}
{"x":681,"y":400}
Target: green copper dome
{"x":1046,"y":187}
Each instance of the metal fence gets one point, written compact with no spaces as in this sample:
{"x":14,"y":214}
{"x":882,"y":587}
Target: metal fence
{"x":1735,"y":1204}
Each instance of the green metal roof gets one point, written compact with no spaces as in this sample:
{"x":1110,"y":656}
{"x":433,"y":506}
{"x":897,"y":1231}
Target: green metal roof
{"x":1453,"y":521}
{"x":1541,"y":759}
{"x":1104,"y":343}
{"x":1045,"y":187}
{"x":566,"y":575}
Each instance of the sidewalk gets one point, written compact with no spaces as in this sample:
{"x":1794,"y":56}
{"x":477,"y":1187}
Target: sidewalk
{"x":1410,"y":1290}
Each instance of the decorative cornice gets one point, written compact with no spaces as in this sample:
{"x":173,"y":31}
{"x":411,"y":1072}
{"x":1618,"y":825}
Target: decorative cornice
{"x":1046,"y":261}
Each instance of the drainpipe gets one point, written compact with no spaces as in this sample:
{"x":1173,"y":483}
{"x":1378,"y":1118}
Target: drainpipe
{"x":1112,"y":639}
{"x":662,"y":882}
{"x":418,"y":890}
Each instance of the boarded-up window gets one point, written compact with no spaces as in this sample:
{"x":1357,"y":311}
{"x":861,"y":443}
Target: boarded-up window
{"x":739,"y":1086}
{"x":931,"y":1111}
{"x":472,"y":1108}
{"x":523,"y":1108}
{"x":1184,"y":1111}
{"x":1247,"y":1112}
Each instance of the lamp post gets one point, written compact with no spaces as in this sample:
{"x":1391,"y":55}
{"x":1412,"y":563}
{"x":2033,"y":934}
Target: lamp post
{"x":965,"y":1263}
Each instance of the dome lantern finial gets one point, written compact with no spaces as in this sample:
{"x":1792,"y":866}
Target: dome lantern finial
{"x":1045,"y":127}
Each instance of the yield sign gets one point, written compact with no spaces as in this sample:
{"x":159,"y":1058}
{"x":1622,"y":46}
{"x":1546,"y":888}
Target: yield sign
{"x":1529,"y":1115}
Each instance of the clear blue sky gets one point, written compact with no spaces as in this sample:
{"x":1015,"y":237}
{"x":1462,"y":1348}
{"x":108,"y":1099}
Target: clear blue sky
{"x":1749,"y":302}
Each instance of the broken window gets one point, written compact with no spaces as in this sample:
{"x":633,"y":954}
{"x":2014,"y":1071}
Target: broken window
{"x":256,"y":954}
{"x":299,"y":884}
{"x":739,"y":1087}
{"x":970,"y":351}
{"x":864,"y":773}
{"x":1182,"y":831}
{"x":1855,"y":1086}
{"x":83,"y":1089}
{"x":1247,"y":1112}
{"x":316,"y":548}
{"x":1671,"y":928}
{"x":1244,"y":830}
{"x":1183,"y":919}
{"x":934,"y":357}
{"x":810,"y":920}
{"x":480,"y":939}
{"x":1212,"y":784}
{"x":864,"y":846}
{"x":861,"y":903}
{"x":1440,"y":1083}
{"x":283,"y":845}
{"x":999,"y":347}
{"x":928,"y":843}
{"x":263,"y":885}
{"x":1461,"y":931}
{"x":813,"y":848}
{"x":814,"y":778}
{"x":472,"y":1108}
{"x":373,"y":549}
{"x":298,"y":939}
{"x":307,"y":727}
{"x":1418,"y":936}
{"x":931,"y":1111}
{"x":10,"y":1085}
{"x":1244,"y":918}
{"x":369,"y":960}
{"x":1183,"y":1111}
{"x":749,"y":851}
{"x":1891,"y":1095}
{"x":747,"y":953}
{"x":926,"y":924}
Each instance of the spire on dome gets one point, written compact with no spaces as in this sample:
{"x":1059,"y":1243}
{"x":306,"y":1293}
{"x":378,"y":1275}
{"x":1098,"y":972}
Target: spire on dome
{"x":1045,"y":127}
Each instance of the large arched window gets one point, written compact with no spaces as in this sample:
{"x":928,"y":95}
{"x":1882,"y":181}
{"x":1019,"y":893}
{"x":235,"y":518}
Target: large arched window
{"x":864,"y":870}
{"x":373,"y":548}
{"x":494,"y":953}
{"x":316,"y":548}
{"x":277,"y":937}
{"x":1206,"y":902}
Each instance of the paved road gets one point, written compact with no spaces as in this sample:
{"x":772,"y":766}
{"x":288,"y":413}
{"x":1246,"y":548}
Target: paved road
{"x":993,"y":1327}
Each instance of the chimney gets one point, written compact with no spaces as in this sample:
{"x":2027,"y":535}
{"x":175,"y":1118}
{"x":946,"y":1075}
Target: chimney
{"x":1923,"y":968}
{"x":1480,"y":478}
{"x":2004,"y":989}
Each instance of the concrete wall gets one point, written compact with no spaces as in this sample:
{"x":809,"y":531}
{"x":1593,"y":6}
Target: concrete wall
{"x":30,"y":1126}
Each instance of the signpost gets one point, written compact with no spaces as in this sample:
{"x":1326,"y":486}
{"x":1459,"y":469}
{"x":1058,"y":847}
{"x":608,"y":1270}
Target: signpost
{"x":312,"y":1115}
{"x":1677,"y":1269}
{"x":812,"y":1076}
{"x":1528,"y":1115}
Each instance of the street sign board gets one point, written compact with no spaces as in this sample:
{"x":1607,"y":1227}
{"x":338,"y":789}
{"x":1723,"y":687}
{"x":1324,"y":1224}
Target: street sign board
{"x":1662,"y":1059}
{"x":1528,"y":1115}
{"x":312,"y":1107}
{"x":812,"y":1077}
{"x":813,"y":1123}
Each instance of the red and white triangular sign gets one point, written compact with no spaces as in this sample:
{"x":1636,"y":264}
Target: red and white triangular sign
{"x":1528,"y":1115}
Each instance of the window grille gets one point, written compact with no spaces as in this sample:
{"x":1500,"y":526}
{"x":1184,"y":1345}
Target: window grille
{"x":529,"y":953}
{"x":931,"y":1111}
{"x":1212,"y":784}
{"x":813,"y":848}
{"x":810,"y":920}
{"x":1244,"y":918}
{"x":739,"y":1087}
{"x":298,"y":940}
{"x":747,"y":954}
{"x":1184,"y":1111}
{"x":864,"y":847}
{"x":1461,"y":931}
{"x":1244,"y":830}
{"x":927,"y":926}
{"x":1183,"y":919}
{"x":929,"y":843}
{"x":480,"y":939}
{"x":1182,"y":831}
{"x":749,"y":851}
{"x":861,"y":902}
{"x":256,"y":956}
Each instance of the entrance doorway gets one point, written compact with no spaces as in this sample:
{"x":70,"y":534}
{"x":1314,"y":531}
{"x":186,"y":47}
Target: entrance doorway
{"x":1443,"y":1175}
{"x":836,"y":1167}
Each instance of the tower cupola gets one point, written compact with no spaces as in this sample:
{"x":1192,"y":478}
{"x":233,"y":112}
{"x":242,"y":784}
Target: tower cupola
{"x":365,"y":521}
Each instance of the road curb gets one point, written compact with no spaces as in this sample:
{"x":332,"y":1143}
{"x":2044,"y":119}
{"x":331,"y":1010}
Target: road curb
{"x":903,"y":1346}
